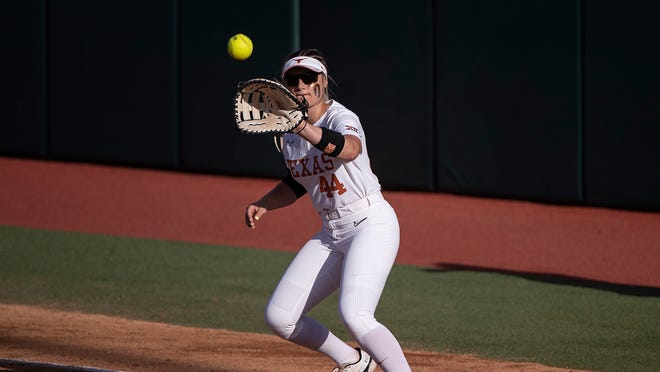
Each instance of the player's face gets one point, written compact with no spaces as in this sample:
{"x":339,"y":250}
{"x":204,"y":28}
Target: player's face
{"x":306,"y":83}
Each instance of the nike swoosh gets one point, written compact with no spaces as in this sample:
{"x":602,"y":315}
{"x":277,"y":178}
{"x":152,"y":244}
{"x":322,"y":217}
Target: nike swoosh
{"x":356,"y":223}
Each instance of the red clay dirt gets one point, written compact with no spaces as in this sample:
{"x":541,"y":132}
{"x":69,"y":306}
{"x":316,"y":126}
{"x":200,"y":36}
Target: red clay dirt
{"x":437,"y":230}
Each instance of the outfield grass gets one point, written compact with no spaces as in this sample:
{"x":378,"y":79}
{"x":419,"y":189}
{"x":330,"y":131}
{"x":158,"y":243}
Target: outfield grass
{"x":494,"y":315}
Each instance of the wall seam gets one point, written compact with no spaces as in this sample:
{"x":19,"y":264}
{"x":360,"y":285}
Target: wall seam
{"x":296,"y":28}
{"x":45,"y":79}
{"x":580,"y":101}
{"x":433,"y":143}
{"x":176,"y":83}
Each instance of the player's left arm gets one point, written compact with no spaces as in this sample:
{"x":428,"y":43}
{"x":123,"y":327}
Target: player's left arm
{"x":345,"y":147}
{"x":352,"y":148}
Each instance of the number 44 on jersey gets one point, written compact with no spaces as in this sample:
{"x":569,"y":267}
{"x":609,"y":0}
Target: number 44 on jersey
{"x":330,"y":187}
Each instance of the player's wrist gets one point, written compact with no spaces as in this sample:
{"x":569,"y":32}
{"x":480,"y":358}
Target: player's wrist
{"x":302,"y":127}
{"x":331,"y":142}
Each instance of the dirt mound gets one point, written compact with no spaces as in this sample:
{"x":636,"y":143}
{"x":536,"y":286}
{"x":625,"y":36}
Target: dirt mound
{"x":74,"y":339}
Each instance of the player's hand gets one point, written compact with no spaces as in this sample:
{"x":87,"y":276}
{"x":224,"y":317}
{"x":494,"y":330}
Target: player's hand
{"x":252,"y":214}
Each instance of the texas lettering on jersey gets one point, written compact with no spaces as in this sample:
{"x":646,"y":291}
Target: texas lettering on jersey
{"x":310,"y":166}
{"x":317,"y":165}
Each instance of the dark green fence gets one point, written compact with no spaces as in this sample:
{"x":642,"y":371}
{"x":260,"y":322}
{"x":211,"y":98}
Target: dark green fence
{"x":553,"y":101}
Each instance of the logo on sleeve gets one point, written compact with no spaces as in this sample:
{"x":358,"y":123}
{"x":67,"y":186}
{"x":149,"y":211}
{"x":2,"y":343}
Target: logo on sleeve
{"x":350,"y":127}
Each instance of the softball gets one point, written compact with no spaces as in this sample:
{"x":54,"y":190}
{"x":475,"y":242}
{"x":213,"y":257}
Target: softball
{"x":239,"y":47}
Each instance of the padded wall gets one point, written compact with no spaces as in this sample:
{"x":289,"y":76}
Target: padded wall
{"x":112,"y":77}
{"x":622,"y":104}
{"x":209,"y":141}
{"x":507,"y":99}
{"x":23,"y":128}
{"x":549,"y":101}
{"x":380,"y":57}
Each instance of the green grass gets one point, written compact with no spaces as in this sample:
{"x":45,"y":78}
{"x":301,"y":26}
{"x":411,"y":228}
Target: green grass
{"x":492,"y":315}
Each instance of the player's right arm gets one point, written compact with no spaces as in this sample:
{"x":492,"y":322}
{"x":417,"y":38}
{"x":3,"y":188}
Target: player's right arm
{"x":283,"y":194}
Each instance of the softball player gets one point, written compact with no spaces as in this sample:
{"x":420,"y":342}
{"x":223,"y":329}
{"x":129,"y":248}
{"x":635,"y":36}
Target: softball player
{"x":359,"y":239}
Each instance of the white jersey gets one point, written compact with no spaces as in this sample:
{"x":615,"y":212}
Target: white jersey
{"x":330,"y":182}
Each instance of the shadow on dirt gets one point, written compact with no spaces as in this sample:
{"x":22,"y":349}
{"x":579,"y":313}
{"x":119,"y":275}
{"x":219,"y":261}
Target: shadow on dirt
{"x":28,"y":366}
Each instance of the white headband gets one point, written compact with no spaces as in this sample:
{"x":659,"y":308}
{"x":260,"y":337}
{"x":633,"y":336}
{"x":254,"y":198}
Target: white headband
{"x":306,"y":62}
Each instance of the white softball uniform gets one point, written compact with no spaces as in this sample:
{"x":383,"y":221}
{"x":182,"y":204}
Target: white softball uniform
{"x":331,"y":183}
{"x":354,"y":251}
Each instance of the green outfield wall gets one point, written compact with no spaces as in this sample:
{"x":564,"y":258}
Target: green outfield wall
{"x":551,"y":101}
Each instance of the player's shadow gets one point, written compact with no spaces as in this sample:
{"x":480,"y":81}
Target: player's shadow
{"x":12,"y":365}
{"x":625,"y":289}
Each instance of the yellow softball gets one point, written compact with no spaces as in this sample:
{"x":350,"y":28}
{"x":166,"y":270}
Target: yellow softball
{"x":239,"y":47}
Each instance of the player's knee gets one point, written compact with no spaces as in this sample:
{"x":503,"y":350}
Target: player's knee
{"x":281,"y":322}
{"x":358,"y":323}
{"x":357,"y":305}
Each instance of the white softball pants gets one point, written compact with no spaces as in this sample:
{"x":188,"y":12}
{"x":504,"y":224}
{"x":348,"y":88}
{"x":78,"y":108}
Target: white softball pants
{"x":354,"y":254}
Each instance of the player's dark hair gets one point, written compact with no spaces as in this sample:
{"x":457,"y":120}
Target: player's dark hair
{"x":319,"y":56}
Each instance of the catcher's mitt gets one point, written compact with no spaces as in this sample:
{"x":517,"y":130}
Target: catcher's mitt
{"x":265,"y":106}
